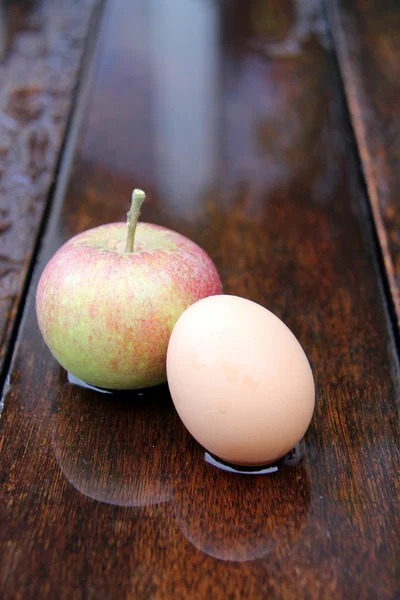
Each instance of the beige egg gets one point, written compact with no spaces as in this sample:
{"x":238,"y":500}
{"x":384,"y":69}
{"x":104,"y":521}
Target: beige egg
{"x":240,"y":380}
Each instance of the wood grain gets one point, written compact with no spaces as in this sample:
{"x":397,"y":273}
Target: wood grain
{"x":232,"y":121}
{"x":367,"y":39}
{"x":38,"y":77}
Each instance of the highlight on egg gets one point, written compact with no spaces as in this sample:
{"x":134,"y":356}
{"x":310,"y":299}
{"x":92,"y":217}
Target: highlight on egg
{"x":240,"y":380}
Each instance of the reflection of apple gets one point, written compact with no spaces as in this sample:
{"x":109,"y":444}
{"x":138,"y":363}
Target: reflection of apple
{"x":242,"y":517}
{"x":116,"y":449}
{"x":106,"y":307}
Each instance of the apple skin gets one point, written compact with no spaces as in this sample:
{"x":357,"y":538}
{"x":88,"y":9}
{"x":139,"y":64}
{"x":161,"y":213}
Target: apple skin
{"x":106,"y":315}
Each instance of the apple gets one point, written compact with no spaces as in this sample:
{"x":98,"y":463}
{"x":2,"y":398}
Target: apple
{"x":108,"y":300}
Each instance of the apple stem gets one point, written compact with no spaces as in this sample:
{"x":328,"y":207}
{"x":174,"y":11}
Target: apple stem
{"x":138,"y":197}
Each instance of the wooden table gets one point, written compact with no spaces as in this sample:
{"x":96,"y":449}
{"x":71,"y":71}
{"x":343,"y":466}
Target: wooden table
{"x":268,"y":132}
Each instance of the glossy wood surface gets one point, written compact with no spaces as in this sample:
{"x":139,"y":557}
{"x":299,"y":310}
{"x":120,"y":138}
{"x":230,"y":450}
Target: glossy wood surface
{"x":367,"y":39}
{"x":43,"y":44}
{"x":230,"y":115}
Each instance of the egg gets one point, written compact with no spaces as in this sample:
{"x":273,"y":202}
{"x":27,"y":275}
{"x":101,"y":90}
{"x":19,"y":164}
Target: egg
{"x":239,"y":379}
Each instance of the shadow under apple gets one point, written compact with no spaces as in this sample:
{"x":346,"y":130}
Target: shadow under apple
{"x":117,"y":448}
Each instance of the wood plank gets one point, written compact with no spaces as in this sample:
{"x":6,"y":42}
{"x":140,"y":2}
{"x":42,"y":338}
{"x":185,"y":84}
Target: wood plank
{"x":38,"y":77}
{"x":232,"y":120}
{"x":366,"y":34}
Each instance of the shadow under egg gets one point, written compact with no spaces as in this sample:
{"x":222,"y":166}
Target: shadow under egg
{"x":243,"y":517}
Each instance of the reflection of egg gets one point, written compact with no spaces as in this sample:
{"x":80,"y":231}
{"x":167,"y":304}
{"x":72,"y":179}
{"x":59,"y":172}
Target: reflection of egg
{"x":241,"y":518}
{"x":240,"y":380}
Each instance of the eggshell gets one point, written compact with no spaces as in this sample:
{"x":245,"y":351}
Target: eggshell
{"x":240,"y":380}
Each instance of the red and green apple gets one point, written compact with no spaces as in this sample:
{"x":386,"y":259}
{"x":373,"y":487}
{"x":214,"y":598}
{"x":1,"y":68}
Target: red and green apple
{"x":108,"y":300}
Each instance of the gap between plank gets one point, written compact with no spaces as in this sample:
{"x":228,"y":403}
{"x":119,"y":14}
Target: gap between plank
{"x":57,"y":189}
{"x":334,"y":26}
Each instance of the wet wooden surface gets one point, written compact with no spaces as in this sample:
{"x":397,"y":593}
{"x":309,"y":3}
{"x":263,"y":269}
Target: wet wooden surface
{"x":42,"y":45}
{"x":367,"y":39}
{"x":230,"y":115}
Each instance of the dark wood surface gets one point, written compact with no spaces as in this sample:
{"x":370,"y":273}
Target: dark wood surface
{"x":230,"y":115}
{"x":366,"y":33}
{"x":43,"y":47}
